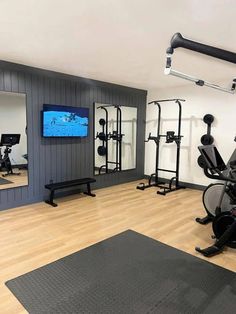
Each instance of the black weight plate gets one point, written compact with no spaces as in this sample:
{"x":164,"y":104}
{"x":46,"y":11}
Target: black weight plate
{"x":208,"y":118}
{"x":102,"y":136}
{"x":102,"y":150}
{"x":207,"y":139}
{"x":102,"y":122}
{"x":201,"y":161}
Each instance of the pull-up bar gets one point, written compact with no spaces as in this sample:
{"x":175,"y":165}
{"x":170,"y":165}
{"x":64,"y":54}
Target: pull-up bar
{"x":178,"y":41}
{"x":164,"y":100}
{"x":106,"y":106}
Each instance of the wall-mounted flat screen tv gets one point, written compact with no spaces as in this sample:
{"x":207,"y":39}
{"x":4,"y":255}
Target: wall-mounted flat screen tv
{"x":64,"y":121}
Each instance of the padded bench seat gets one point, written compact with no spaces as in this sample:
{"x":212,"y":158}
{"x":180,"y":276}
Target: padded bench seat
{"x":67,"y":184}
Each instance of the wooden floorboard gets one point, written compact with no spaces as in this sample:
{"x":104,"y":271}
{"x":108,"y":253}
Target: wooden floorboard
{"x":16,"y":180}
{"x":35,"y":235}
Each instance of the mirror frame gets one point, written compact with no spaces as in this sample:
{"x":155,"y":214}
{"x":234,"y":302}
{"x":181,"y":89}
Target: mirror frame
{"x":27,"y":120}
{"x":94,"y":135}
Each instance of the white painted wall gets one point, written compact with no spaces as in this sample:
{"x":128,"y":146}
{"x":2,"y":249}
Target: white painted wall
{"x":13,"y":120}
{"x":199,"y":101}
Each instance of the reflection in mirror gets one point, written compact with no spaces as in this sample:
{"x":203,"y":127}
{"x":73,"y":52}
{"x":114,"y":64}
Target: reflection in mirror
{"x":115,"y":138}
{"x":13,"y":141}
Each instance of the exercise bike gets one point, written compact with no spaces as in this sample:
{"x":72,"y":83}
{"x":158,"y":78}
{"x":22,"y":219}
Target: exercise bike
{"x":224,"y":222}
{"x":8,"y":140}
{"x":219,"y":197}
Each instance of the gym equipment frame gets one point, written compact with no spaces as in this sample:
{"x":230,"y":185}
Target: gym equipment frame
{"x":178,"y":41}
{"x":170,"y":138}
{"x":224,"y":223}
{"x":115,"y":136}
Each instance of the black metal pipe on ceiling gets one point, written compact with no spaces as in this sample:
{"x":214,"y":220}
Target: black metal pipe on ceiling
{"x":178,"y":41}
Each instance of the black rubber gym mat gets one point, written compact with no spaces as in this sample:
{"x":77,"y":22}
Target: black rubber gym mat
{"x":128,"y":273}
{"x":4,"y":181}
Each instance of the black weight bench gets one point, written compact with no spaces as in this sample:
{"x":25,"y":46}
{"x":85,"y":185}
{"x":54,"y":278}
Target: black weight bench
{"x":67,"y":184}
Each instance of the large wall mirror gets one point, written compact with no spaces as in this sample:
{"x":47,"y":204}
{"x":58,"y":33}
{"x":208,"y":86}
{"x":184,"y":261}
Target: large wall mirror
{"x":13,"y":140}
{"x":115,"y":129}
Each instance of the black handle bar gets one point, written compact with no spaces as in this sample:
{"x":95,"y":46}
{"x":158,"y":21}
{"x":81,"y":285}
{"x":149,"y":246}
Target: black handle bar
{"x":179,"y":41}
{"x":218,"y":176}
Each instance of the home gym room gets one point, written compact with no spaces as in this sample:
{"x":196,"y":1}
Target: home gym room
{"x":117,"y":147}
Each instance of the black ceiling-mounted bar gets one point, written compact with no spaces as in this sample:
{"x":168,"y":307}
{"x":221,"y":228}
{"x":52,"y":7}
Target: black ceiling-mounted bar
{"x":178,"y":41}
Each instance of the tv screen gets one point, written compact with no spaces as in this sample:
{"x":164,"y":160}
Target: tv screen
{"x":64,"y":121}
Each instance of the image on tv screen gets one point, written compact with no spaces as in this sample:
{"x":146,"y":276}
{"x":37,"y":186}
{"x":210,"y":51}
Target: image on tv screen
{"x":65,"y":121}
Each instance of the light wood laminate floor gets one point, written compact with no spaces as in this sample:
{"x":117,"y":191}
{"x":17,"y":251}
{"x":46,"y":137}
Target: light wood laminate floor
{"x":35,"y":235}
{"x":16,"y":180}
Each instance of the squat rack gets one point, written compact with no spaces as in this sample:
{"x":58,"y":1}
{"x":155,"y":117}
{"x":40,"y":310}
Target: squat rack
{"x":170,"y":137}
{"x":116,"y":135}
{"x":104,"y":139}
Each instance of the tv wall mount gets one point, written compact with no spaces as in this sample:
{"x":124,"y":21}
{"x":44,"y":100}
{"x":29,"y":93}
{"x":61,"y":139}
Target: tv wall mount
{"x":178,"y":41}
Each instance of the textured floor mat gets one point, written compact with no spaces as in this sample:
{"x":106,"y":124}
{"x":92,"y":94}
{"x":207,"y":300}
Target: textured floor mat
{"x":128,"y":273}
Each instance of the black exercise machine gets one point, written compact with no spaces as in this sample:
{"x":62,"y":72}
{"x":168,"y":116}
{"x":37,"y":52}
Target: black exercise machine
{"x":218,"y":197}
{"x":206,"y":139}
{"x":8,"y":140}
{"x":170,"y":137}
{"x":224,"y":223}
{"x":178,"y":41}
{"x":116,"y":136}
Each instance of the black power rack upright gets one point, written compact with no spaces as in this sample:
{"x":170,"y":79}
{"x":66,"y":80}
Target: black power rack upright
{"x":116,"y":136}
{"x":170,"y":137}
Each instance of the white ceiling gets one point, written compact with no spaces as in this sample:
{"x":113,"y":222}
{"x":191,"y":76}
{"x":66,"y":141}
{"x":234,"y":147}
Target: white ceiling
{"x":119,"y":41}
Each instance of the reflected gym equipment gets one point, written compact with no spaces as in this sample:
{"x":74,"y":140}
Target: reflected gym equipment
{"x":116,"y":136}
{"x":8,"y":140}
{"x":102,"y":122}
{"x":169,"y":137}
{"x":102,"y":150}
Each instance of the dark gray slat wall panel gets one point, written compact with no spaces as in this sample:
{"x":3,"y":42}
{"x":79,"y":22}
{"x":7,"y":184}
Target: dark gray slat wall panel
{"x":67,"y":165}
{"x":14,"y":82}
{"x":46,"y":144}
{"x":7,"y":81}
{"x":61,"y":159}
{"x":39,"y":180}
{"x":73,"y":143}
{"x":35,"y":134}
{"x":57,"y":159}
{"x":63,"y":152}
{"x":53,"y":142}
{"x":76,"y":165}
{"x":89,"y":151}
{"x":1,"y":79}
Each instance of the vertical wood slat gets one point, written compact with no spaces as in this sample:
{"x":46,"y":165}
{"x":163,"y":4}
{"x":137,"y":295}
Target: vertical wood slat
{"x":64,"y":159}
